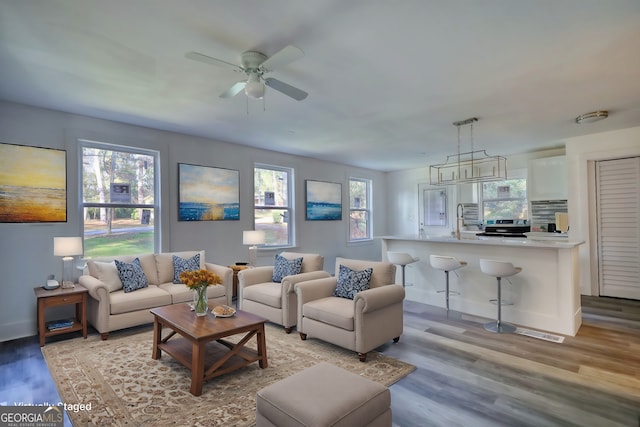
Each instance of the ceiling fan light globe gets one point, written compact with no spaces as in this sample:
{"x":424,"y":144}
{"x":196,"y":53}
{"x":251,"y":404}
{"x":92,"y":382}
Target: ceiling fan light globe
{"x":254,"y":87}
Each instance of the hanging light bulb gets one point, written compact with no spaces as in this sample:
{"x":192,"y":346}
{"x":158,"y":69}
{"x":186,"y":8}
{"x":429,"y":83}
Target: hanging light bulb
{"x":254,"y":87}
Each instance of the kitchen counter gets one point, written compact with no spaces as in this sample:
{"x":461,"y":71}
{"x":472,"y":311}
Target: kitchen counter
{"x":544,"y":296}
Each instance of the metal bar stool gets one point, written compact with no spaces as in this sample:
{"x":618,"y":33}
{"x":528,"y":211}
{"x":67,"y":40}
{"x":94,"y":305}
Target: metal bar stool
{"x":402,"y":259}
{"x":499,"y":269}
{"x":447,"y":264}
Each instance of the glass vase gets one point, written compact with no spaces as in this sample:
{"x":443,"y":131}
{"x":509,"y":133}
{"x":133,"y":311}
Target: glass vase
{"x":200,"y":301}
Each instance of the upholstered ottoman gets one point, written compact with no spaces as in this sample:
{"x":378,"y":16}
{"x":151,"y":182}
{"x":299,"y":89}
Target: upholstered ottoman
{"x":321,"y":396}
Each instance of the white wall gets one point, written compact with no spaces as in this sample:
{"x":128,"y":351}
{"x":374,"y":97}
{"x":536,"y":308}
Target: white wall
{"x":581,"y":152}
{"x":26,"y":250}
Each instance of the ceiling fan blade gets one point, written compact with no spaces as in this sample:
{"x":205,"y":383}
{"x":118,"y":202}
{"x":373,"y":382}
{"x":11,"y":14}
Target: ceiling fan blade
{"x":233,"y":90}
{"x":212,"y":61}
{"x":293,"y":92}
{"x":283,"y":57}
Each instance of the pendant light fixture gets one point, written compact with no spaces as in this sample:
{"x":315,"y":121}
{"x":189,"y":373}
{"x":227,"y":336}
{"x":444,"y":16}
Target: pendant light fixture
{"x":470,"y":166}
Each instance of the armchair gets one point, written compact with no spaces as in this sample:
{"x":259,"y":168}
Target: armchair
{"x":361,"y":324}
{"x":276,"y":301}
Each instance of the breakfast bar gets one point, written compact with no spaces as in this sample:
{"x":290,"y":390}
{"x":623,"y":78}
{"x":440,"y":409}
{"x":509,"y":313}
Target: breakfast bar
{"x":545,"y":296}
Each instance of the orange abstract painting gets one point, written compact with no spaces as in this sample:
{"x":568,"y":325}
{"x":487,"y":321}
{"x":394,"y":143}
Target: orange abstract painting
{"x":33,"y":184}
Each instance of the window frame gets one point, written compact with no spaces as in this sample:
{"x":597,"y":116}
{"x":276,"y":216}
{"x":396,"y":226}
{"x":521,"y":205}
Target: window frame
{"x":515,"y":175}
{"x":368,"y":210}
{"x":156,"y":205}
{"x":290,"y":208}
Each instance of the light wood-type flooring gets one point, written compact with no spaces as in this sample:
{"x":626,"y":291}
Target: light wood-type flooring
{"x":465,"y":375}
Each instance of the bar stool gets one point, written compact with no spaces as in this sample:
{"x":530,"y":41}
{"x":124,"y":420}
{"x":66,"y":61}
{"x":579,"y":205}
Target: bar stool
{"x":402,"y":259}
{"x":447,"y":264}
{"x":499,"y":269}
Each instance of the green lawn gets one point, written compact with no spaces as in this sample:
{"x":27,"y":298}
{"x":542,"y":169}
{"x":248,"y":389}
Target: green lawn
{"x":119,"y":244}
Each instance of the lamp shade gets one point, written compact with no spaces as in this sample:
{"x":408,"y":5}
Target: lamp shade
{"x":254,"y":87}
{"x":253,"y":237}
{"x":67,"y":246}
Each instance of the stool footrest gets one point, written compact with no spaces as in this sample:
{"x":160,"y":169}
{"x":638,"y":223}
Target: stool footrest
{"x":450,"y":292}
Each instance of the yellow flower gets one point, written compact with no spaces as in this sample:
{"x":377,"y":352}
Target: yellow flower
{"x":199,"y":278}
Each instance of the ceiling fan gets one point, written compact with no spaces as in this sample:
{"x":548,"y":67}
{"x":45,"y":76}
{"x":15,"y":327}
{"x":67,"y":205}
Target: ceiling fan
{"x":255,"y":65}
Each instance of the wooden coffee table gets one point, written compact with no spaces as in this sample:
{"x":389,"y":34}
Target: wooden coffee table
{"x":190,"y":347}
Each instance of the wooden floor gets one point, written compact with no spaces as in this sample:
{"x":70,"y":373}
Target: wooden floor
{"x":465,"y":375}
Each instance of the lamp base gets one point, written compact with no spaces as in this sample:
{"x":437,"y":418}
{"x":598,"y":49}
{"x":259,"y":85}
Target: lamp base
{"x":67,"y":285}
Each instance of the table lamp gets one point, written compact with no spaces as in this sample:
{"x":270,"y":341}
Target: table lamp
{"x":67,"y":248}
{"x":253,"y":238}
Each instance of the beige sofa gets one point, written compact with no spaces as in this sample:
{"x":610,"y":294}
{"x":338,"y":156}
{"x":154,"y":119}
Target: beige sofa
{"x":361,"y":324}
{"x":109,"y":308}
{"x":258,"y":294}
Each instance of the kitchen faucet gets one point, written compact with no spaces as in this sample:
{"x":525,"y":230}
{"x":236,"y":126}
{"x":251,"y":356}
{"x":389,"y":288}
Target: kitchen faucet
{"x":459,"y":217}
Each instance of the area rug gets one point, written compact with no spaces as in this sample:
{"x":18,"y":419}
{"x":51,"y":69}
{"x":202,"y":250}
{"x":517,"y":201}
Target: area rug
{"x":126,"y":387}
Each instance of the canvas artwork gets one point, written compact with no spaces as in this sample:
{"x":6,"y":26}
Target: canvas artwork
{"x":324,"y":201}
{"x":208,"y":193}
{"x":33,"y":184}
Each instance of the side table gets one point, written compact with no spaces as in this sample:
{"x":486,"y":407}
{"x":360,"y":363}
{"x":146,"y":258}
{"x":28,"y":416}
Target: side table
{"x":236,"y":269}
{"x":57,"y":297}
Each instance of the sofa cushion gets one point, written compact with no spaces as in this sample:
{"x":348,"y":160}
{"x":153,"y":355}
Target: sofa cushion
{"x":131,"y":275}
{"x":107,"y":273}
{"x":146,"y":298}
{"x":269,"y":293}
{"x":182,"y":293}
{"x":310,"y":262}
{"x":350,"y":282}
{"x":332,"y":311}
{"x":163,"y":264}
{"x":384,"y":273}
{"x":181,"y":264}
{"x":285,"y":267}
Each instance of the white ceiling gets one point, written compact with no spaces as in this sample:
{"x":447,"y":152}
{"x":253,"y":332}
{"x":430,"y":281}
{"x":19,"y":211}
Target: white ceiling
{"x":386,"y":79}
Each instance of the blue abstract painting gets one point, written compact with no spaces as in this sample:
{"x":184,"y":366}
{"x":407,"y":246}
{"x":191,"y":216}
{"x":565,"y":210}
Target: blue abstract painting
{"x":324,"y":201}
{"x":208,"y":193}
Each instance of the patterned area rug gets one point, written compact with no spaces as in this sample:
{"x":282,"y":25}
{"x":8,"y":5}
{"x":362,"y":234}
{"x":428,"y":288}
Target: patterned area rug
{"x":126,"y":387}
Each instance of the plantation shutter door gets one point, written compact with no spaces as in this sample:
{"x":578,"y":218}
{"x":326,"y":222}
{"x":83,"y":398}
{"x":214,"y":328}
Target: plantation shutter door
{"x":618,"y":214}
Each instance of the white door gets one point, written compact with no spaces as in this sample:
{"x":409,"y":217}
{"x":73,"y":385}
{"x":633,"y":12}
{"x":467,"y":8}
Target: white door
{"x":618,"y":210}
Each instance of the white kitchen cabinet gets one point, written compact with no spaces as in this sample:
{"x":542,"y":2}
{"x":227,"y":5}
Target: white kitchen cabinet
{"x":547,"y":179}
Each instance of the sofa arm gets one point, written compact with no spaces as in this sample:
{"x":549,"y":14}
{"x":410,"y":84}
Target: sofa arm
{"x":98,"y":291}
{"x":289,"y":282}
{"x":226,"y":274}
{"x":376,"y":298}
{"x":314,"y":289}
{"x":253,"y":276}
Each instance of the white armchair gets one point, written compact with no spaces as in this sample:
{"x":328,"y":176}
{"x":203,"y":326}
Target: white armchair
{"x":361,"y":324}
{"x":276,"y":301}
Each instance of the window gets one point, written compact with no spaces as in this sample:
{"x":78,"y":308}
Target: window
{"x":119,"y":196}
{"x":359,"y":209}
{"x":505,"y":199}
{"x":273,"y":204}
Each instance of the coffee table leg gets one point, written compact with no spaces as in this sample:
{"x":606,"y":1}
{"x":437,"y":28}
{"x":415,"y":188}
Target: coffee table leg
{"x":262,"y":347}
{"x":157,"y":337}
{"x":197,"y":367}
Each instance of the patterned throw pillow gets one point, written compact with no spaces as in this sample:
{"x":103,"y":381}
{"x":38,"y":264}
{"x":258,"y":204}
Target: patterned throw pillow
{"x":131,"y":275}
{"x":350,"y":282}
{"x":285,"y":267}
{"x":181,"y":264}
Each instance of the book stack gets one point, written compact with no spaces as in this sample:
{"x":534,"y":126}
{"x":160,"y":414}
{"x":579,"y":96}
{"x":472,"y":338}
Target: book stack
{"x":60,"y":324}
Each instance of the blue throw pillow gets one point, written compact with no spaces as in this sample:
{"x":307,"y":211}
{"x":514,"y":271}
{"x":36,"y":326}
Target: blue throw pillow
{"x":285,"y":267}
{"x":350,"y":282}
{"x":181,"y":264}
{"x":131,"y":275}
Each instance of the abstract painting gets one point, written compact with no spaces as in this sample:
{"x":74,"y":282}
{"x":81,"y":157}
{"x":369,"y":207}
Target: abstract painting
{"x":207,"y":193}
{"x":324,"y":201}
{"x":33,"y":184}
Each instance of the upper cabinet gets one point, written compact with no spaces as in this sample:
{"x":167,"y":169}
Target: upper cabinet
{"x":547,"y":179}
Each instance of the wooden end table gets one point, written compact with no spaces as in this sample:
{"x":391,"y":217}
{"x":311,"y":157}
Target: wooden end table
{"x":191,"y":347}
{"x":57,"y":297}
{"x":236,"y":269}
